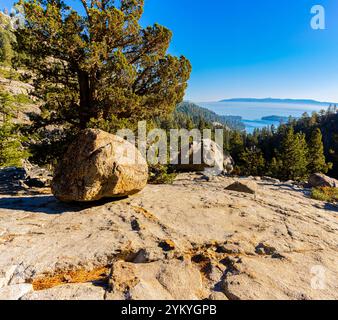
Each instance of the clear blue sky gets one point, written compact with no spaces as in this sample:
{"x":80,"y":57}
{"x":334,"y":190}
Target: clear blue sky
{"x":251,"y":48}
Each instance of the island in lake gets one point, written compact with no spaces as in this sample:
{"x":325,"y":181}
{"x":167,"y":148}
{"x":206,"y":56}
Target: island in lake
{"x":274,"y":118}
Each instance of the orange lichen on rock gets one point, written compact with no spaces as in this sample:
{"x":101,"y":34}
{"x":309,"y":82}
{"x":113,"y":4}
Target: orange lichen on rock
{"x":147,"y":214}
{"x":76,"y":276}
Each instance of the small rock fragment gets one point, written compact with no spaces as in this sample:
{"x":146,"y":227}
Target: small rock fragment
{"x":135,"y":225}
{"x":167,"y":245}
{"x":264,"y":249}
{"x":215,"y":296}
{"x":141,"y":257}
{"x":243,"y":186}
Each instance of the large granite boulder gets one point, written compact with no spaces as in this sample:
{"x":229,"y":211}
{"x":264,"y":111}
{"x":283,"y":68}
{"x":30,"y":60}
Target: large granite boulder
{"x":99,"y":165}
{"x":321,"y":180}
{"x":212,"y":160}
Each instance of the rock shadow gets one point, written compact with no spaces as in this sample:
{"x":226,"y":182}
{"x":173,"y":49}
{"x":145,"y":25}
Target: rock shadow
{"x":48,"y":204}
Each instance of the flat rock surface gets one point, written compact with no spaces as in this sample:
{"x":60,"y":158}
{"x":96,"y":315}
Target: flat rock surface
{"x":189,"y":240}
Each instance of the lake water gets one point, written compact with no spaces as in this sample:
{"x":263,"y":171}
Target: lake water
{"x":252,"y":112}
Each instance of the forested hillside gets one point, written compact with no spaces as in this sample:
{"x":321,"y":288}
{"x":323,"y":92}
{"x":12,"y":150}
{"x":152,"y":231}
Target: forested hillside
{"x":196,"y":112}
{"x":327,"y":123}
{"x":13,"y":97}
{"x":291,"y":151}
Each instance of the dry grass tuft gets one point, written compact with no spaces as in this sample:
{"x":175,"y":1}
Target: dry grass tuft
{"x":78,"y":276}
{"x":326,"y":194}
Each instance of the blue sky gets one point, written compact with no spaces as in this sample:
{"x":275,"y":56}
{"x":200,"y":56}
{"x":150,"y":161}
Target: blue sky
{"x":251,"y":48}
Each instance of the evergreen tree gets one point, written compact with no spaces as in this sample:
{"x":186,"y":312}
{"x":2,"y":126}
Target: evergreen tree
{"x":314,"y":118}
{"x":317,"y":161}
{"x":99,"y":62}
{"x":6,"y":40}
{"x":6,"y":51}
{"x":202,"y":124}
{"x":6,"y":104}
{"x":11,"y":151}
{"x":236,"y":145}
{"x":252,"y":162}
{"x":189,"y":124}
{"x":294,"y":156}
{"x":274,"y":167}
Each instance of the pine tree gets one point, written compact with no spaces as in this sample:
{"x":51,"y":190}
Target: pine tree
{"x":314,"y":119}
{"x":6,"y":104}
{"x":294,"y":156}
{"x":317,"y":161}
{"x":99,"y":62}
{"x":236,"y":143}
{"x":11,"y":151}
{"x":202,"y":124}
{"x":189,"y":124}
{"x":252,"y":162}
{"x":274,"y":168}
{"x":6,"y":40}
{"x":6,"y":51}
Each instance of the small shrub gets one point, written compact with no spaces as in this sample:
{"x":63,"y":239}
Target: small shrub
{"x":23,"y":99}
{"x":9,"y":74}
{"x":326,"y":194}
{"x":161,"y":174}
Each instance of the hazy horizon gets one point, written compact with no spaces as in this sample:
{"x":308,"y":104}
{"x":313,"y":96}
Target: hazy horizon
{"x":253,"y":112}
{"x":262,"y":98}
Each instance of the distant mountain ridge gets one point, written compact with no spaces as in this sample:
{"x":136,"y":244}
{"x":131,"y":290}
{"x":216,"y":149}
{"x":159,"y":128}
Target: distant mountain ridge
{"x":272,"y":100}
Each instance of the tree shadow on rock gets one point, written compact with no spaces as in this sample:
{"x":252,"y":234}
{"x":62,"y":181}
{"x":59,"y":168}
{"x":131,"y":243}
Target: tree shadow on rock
{"x":288,"y":187}
{"x":48,"y":204}
{"x":331,"y":207}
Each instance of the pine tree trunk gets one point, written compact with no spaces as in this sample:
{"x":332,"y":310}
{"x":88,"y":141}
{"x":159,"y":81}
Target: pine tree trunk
{"x":85,"y":103}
